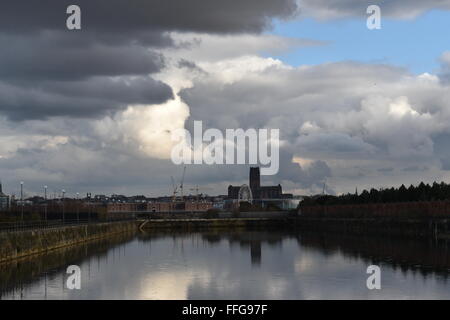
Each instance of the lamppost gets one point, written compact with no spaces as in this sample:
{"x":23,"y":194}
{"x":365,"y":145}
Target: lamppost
{"x":78,"y":208}
{"x":21,"y":198}
{"x":63,"y":213}
{"x":45,"y":202}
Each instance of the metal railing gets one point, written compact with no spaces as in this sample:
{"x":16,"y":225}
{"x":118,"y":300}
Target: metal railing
{"x":49,"y":224}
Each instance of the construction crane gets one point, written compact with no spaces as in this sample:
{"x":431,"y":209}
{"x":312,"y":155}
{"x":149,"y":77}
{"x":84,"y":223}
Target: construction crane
{"x":174,"y":195}
{"x":177,"y":188}
{"x":324,"y":188}
{"x":182,"y":181}
{"x":196,"y":192}
{"x":196,"y":189}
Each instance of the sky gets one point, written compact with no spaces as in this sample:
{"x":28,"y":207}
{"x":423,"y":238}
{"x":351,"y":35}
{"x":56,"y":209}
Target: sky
{"x":92,"y":110}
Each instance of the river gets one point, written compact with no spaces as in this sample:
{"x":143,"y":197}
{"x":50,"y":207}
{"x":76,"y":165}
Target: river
{"x":242,"y":264}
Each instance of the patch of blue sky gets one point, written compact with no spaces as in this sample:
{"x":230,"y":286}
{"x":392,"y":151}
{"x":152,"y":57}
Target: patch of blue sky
{"x":415,"y":44}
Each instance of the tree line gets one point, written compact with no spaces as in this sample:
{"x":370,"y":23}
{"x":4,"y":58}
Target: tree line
{"x":421,"y":192}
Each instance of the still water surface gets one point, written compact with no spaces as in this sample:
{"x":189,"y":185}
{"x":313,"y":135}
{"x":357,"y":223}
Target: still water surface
{"x":235,"y":265}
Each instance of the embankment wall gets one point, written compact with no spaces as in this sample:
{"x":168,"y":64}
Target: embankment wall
{"x":19,"y":244}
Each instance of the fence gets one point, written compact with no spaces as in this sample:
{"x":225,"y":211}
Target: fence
{"x":39,"y":225}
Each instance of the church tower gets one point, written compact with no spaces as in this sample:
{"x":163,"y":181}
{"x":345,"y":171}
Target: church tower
{"x":255,"y":181}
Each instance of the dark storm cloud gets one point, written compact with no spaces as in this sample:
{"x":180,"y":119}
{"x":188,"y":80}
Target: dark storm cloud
{"x":88,"y":98}
{"x":162,"y":15}
{"x":183,"y":63}
{"x":134,"y":90}
{"x":47,"y":75}
{"x":118,"y":39}
{"x":53,"y":56}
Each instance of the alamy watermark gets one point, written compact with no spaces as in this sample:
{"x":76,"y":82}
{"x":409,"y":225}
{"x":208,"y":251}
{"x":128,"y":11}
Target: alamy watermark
{"x":374,"y":20}
{"x":74,"y":280}
{"x":236,"y":146}
{"x":73,"y":21}
{"x":374,"y":280}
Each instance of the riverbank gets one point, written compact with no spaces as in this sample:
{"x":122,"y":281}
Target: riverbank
{"x":14,"y":245}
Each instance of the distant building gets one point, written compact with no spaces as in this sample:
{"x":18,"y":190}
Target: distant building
{"x":258,"y":192}
{"x":4,"y":199}
{"x":101,"y":198}
{"x":255,"y":182}
{"x":233,"y":192}
{"x":158,"y":206}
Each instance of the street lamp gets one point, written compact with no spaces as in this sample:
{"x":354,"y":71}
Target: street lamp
{"x":78,"y":208}
{"x":45,"y":202}
{"x":21,"y":197}
{"x":63,"y":213}
{"x":89,"y":211}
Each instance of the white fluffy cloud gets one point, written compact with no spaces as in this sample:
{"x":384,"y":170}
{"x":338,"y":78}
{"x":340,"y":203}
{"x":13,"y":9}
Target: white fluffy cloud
{"x":145,"y":128}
